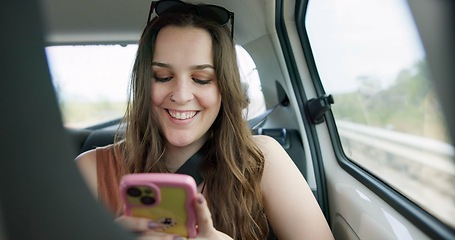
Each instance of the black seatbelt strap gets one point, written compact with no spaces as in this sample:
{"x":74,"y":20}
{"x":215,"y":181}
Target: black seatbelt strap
{"x":256,"y":122}
{"x":191,"y":166}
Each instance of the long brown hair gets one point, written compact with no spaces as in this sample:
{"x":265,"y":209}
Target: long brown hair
{"x":233,"y":166}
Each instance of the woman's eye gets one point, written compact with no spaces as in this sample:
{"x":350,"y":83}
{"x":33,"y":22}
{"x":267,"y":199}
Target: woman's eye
{"x":162,"y":79}
{"x":201,"y":81}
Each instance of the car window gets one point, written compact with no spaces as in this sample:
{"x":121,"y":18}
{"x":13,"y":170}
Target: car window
{"x":91,"y":82}
{"x":251,"y":84}
{"x":369,"y":56}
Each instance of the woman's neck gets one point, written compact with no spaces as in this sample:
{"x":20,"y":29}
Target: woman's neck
{"x":176,"y":156}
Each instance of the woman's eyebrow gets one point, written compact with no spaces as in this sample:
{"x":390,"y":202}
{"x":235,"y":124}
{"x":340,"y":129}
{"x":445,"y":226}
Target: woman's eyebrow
{"x":194,"y":67}
{"x":202,"y":66}
{"x":163,"y":65}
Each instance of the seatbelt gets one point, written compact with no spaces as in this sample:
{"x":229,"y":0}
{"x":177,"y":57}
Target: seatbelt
{"x":254,"y":123}
{"x":191,"y":166}
{"x":282,"y":100}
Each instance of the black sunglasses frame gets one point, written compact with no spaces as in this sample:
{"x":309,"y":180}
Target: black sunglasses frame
{"x":230,"y":14}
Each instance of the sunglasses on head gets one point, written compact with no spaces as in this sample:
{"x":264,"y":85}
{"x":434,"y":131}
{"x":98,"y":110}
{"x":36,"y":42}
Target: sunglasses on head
{"x":210,"y":12}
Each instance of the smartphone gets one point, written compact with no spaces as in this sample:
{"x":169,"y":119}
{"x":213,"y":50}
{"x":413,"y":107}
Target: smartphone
{"x":165,"y":198}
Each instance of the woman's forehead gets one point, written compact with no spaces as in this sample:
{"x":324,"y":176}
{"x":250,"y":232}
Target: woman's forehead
{"x":183,"y":44}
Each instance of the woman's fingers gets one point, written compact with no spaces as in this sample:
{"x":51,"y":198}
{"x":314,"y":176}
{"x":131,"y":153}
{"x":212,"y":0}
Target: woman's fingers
{"x":205,"y":222}
{"x":137,"y":225}
{"x":160,"y":237}
{"x":157,"y":237}
{"x":203,"y":216}
{"x":149,"y":230}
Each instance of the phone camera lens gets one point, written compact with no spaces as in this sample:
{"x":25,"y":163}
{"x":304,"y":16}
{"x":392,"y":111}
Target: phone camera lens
{"x":134,"y":192}
{"x":147,"y":200}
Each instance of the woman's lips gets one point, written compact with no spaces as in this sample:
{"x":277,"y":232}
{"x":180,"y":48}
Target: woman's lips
{"x":181,"y":115}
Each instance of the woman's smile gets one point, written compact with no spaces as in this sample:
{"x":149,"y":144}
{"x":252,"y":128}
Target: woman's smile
{"x":181,"y":115}
{"x":184,"y":90}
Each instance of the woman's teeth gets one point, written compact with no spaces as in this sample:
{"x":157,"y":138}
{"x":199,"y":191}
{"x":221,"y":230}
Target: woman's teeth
{"x":182,"y":115}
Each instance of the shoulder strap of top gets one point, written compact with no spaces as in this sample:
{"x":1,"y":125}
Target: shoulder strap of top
{"x":109,"y":170}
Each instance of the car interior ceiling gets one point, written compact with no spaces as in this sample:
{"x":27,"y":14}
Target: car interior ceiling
{"x":60,"y":16}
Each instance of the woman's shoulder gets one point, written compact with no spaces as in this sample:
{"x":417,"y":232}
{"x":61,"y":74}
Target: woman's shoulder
{"x":270,"y":147}
{"x":90,"y":155}
{"x":264,"y":140}
{"x":288,"y":199}
{"x":86,"y":158}
{"x":87,"y":164}
{"x":89,"y":158}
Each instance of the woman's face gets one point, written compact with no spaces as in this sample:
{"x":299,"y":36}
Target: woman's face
{"x":185,"y":95}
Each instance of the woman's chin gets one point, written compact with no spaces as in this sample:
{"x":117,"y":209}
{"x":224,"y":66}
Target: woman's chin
{"x":185,"y":140}
{"x":180,"y":141}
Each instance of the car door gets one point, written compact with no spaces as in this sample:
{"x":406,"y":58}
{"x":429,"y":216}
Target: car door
{"x":382,"y":152}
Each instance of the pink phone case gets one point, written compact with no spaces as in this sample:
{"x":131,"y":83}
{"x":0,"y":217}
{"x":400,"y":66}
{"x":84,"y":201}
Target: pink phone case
{"x":165,"y":198}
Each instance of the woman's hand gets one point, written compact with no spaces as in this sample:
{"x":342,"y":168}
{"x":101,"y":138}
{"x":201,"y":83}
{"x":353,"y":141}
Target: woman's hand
{"x":205,"y":222}
{"x":139,"y":226}
{"x":148,"y":230}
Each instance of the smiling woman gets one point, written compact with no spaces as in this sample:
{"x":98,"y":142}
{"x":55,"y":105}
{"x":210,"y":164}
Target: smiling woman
{"x":186,"y":65}
{"x":175,"y":61}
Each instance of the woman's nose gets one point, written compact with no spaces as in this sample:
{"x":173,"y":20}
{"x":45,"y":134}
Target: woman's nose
{"x":182,"y":91}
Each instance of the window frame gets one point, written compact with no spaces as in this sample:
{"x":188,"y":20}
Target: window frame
{"x":312,"y":136}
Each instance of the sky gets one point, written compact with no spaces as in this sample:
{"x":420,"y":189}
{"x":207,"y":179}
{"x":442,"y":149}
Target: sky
{"x":89,"y":73}
{"x":354,"y":38}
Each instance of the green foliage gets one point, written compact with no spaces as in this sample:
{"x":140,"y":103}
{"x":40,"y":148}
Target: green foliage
{"x":408,"y":106}
{"x":84,"y":114}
